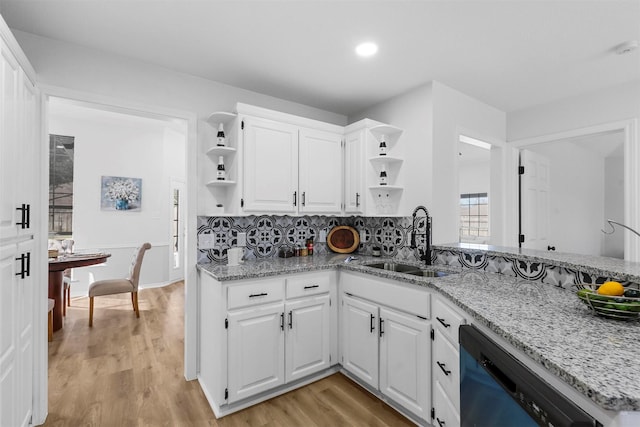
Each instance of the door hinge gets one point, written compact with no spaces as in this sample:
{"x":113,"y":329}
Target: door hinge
{"x":520,"y":170}
{"x":226,"y":323}
{"x":329,"y":359}
{"x":329,"y":302}
{"x":433,"y":335}
{"x":242,"y":124}
{"x":433,"y":413}
{"x":242,"y":203}
{"x":521,"y":238}
{"x":226,"y":393}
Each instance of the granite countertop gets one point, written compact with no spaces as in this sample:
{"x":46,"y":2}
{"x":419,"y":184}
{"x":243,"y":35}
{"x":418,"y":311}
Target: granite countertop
{"x":598,"y":357}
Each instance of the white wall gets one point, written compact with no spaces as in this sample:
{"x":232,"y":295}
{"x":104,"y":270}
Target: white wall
{"x":474,"y":177}
{"x":112,"y":144}
{"x":576,"y":179}
{"x":411,"y":112}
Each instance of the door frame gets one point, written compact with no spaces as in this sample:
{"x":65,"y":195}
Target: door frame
{"x":631,"y":174}
{"x":190,"y":257}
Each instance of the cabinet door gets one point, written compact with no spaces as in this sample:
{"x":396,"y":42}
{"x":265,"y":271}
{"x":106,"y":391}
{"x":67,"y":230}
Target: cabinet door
{"x":25,"y":350}
{"x":256,"y":351}
{"x":320,"y":172}
{"x":446,"y":367}
{"x":270,"y":166}
{"x":8,"y":336}
{"x":28,"y":156}
{"x":360,"y":339}
{"x":405,"y":360}
{"x":10,"y":171}
{"x":445,"y":413}
{"x":308,"y":338}
{"x":354,"y":195}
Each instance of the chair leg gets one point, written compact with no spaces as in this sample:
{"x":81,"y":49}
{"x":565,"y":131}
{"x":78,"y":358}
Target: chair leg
{"x":69,"y":295}
{"x":50,"y":327}
{"x":134,"y":297}
{"x":65,"y":300}
{"x":90,"y":311}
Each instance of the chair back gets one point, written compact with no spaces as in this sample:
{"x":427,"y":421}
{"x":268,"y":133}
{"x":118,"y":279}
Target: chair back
{"x":136,"y":264}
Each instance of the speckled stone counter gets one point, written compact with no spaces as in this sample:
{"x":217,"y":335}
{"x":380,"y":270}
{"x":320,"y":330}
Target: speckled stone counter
{"x":598,"y":357}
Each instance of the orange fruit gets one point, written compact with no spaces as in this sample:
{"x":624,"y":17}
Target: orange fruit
{"x":611,"y":288}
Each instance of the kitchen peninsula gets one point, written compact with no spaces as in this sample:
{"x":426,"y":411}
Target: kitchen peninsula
{"x":522,"y":299}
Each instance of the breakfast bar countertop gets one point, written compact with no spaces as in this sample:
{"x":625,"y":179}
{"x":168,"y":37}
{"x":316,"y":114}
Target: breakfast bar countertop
{"x":595,"y":356}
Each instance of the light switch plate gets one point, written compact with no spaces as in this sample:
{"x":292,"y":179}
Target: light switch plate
{"x":322,"y":236}
{"x":242,"y":239}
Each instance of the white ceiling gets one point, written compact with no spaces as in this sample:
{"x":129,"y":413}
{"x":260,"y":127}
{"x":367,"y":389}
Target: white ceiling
{"x":509,"y":54}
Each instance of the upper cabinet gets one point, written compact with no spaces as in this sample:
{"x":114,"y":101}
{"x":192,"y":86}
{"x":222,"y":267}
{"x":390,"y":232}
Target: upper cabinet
{"x":285,"y":164}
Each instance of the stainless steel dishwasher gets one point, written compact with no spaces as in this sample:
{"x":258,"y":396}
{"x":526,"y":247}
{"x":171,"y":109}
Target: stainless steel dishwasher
{"x":497,"y":390}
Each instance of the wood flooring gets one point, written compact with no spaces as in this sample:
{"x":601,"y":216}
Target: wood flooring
{"x":129,"y":372}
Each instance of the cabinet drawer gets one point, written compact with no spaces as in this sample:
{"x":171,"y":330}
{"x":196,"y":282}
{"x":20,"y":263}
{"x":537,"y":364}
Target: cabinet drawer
{"x":446,"y":367}
{"x":447,"y":320}
{"x":311,"y":284}
{"x":261,"y":292}
{"x":445,"y":414}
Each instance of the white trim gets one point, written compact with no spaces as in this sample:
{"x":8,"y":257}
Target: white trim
{"x":264,"y":113}
{"x":190,"y":260}
{"x":631,"y":174}
{"x":16,"y":50}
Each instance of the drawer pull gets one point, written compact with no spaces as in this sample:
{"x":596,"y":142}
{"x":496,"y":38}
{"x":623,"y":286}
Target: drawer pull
{"x":381,"y":327}
{"x":445,"y":324}
{"x":373,"y":324}
{"x":290,"y":319}
{"x":311,"y":286}
{"x":442,"y":366}
{"x":263,"y":294}
{"x":282,"y":321}
{"x":440,"y":422}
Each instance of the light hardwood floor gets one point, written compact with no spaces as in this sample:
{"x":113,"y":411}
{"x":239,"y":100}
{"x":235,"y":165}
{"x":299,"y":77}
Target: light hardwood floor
{"x":129,"y":372}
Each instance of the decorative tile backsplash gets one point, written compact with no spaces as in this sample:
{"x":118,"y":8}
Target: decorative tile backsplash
{"x":266,"y":234}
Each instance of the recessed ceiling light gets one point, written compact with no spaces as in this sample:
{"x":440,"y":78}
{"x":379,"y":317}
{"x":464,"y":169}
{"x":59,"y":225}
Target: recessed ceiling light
{"x":366,"y":49}
{"x":626,"y":47}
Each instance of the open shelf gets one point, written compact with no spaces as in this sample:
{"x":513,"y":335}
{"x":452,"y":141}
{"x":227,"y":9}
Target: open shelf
{"x":387,"y":160}
{"x":221,"y":117}
{"x":216,"y":183}
{"x":221,"y":151}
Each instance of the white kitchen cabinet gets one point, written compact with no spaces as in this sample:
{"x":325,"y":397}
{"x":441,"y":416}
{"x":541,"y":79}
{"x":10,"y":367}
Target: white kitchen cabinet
{"x":20,"y":157}
{"x":270,"y":166}
{"x":264,"y":336}
{"x":308,"y":336}
{"x":354,"y":189}
{"x":320,"y":172}
{"x":359,"y":327}
{"x":256,"y":350}
{"x":385,"y":340}
{"x":446,"y":363}
{"x":404,"y":360}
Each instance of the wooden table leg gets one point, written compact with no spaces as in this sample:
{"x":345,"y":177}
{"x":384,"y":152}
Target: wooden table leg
{"x":55,"y":292}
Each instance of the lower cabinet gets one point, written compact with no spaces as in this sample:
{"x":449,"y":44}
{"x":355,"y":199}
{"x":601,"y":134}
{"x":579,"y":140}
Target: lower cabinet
{"x":258,"y":335}
{"x":388,"y":348}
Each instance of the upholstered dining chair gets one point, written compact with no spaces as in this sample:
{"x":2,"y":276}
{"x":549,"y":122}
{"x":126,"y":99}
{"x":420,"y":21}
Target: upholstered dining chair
{"x":120,"y":286}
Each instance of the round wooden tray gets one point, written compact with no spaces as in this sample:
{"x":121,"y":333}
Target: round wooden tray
{"x":343,"y":239}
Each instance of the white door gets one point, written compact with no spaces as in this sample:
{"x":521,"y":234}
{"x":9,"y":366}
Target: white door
{"x":360,"y":339}
{"x":405,"y":360}
{"x":256,"y":351}
{"x":320,"y":172}
{"x":10,"y":172}
{"x":353,"y":180}
{"x":270,"y":166}
{"x":25,"y":345}
{"x":308,"y":338}
{"x":177,"y":231}
{"x":534,"y":202}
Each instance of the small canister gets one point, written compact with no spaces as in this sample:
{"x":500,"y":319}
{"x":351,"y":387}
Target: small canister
{"x":375,"y":251}
{"x":304,"y":252}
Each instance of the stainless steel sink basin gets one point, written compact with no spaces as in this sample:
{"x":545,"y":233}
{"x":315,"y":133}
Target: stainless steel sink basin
{"x":392,"y":266}
{"x":410,"y":269}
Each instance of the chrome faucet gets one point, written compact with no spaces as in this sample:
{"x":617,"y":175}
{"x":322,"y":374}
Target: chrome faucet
{"x":426,"y":257}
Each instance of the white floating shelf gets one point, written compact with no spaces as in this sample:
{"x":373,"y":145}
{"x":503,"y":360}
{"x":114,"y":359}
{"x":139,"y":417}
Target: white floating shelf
{"x":221,"y":117}
{"x":221,"y":151}
{"x":388,"y":160}
{"x":388,"y":130}
{"x":216,"y":183}
{"x":386,"y":187}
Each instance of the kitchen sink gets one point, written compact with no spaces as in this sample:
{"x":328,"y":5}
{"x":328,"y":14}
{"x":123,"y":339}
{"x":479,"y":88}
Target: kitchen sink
{"x":392,"y":266}
{"x":410,"y":269}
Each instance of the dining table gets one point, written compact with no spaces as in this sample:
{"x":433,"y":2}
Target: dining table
{"x":57,"y":266}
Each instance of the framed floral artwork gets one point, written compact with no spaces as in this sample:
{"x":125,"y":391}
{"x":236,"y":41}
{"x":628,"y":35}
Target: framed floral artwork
{"x":120,"y":193}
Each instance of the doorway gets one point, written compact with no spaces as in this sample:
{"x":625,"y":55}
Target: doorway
{"x":177,"y":231}
{"x":474,"y":185}
{"x":594,"y":178}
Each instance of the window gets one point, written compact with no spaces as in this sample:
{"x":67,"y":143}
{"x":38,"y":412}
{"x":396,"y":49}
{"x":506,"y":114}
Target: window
{"x":61,"y":184}
{"x":474,"y":217}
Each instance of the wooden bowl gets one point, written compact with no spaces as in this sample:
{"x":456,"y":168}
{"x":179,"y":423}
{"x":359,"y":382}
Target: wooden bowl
{"x":343,"y":239}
